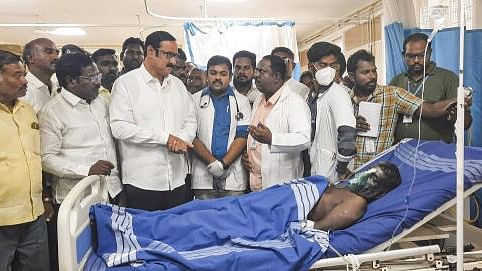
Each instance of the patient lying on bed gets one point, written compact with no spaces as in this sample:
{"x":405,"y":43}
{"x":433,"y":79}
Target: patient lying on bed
{"x":265,"y":230}
{"x":342,"y":205}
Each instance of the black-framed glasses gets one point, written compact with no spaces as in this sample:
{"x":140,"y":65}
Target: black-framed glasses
{"x":414,"y":56}
{"x":93,"y":78}
{"x":168,"y":55}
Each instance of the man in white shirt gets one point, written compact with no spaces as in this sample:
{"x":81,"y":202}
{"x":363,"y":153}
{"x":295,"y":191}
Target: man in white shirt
{"x":333,"y":122}
{"x":74,"y":132}
{"x":223,"y":116}
{"x":289,"y":57}
{"x":280,"y":128}
{"x":152,"y":115}
{"x":40,"y":55}
{"x":244,"y":63}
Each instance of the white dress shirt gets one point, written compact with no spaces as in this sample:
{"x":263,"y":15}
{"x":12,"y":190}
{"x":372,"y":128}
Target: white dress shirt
{"x":38,"y":93}
{"x":74,"y":135}
{"x":143,"y":112}
{"x":334,"y":109}
{"x":298,"y":88}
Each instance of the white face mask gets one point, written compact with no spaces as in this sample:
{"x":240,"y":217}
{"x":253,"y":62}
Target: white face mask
{"x":325,"y":76}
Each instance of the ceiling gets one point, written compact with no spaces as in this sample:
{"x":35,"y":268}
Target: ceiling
{"x":111,"y":21}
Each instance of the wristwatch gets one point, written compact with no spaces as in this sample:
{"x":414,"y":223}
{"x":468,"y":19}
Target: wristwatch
{"x":225,"y":166}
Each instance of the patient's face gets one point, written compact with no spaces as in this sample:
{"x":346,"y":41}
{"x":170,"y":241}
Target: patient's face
{"x":374,"y":182}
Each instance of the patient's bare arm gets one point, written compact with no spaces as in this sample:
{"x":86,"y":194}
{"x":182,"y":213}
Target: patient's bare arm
{"x":337,"y":210}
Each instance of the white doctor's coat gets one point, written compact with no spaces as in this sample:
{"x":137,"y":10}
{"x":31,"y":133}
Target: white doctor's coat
{"x":290,"y":124}
{"x":201,"y":179}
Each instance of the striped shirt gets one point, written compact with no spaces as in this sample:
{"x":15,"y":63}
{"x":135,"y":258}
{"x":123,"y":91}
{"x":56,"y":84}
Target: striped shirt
{"x":394,"y":101}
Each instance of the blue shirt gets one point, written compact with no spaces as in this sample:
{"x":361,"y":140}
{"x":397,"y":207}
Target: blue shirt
{"x":222,"y":122}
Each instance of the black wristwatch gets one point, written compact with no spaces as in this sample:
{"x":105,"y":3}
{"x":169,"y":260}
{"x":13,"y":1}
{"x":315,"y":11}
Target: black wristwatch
{"x":225,"y":166}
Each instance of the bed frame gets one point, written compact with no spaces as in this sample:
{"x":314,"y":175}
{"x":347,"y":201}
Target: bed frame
{"x":75,"y":236}
{"x":74,"y":231}
{"x":377,"y":254}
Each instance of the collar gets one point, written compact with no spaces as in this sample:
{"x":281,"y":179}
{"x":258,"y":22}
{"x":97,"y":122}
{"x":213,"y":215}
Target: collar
{"x":18,"y":104}
{"x":355,"y":100}
{"x":279,"y":94}
{"x":32,"y":79}
{"x":147,"y":77}
{"x":71,"y":98}
{"x":228,"y":92}
{"x":430,"y":72}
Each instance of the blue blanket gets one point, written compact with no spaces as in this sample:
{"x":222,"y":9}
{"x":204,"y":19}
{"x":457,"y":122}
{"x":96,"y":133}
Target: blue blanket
{"x":258,"y":231}
{"x":424,"y":188}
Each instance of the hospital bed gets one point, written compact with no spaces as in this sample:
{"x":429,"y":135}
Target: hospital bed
{"x":416,"y":202}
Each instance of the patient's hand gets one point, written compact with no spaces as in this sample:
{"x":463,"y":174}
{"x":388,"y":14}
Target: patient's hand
{"x":362,"y":124}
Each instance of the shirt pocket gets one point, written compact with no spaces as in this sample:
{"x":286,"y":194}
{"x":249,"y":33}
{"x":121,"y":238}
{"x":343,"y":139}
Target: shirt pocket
{"x":31,"y":140}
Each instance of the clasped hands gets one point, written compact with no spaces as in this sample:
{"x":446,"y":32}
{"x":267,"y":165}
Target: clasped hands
{"x":216,"y":168}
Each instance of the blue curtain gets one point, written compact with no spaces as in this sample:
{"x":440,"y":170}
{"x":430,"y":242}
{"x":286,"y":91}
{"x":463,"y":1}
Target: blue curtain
{"x":394,"y":36}
{"x":445,"y":52}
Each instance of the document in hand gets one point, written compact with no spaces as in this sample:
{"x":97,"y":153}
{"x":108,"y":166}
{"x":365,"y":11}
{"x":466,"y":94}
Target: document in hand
{"x":371,"y":112}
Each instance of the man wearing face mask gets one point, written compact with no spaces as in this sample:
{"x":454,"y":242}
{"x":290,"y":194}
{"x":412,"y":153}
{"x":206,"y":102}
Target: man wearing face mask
{"x":332,"y":120}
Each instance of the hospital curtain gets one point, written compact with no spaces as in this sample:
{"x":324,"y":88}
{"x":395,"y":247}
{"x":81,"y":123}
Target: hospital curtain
{"x":204,"y":40}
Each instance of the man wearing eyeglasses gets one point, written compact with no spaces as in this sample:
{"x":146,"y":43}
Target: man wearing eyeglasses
{"x":440,"y":84}
{"x":74,"y":133}
{"x":40,"y":55}
{"x":289,"y":57}
{"x":332,"y":120}
{"x":152,"y":115}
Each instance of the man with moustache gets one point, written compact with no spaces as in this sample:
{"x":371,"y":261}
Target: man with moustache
{"x":152,"y":115}
{"x":107,"y":63}
{"x":440,"y":84}
{"x":23,"y":231}
{"x":244,"y":63}
{"x":280,"y":128}
{"x":132,"y":54}
{"x":76,"y":141}
{"x":223,"y":116}
{"x":40,"y":55}
{"x":394,"y":101}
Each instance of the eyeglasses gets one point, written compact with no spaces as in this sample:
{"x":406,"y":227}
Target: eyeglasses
{"x":321,"y":65}
{"x":169,"y":55}
{"x":93,"y":78}
{"x":414,"y":56}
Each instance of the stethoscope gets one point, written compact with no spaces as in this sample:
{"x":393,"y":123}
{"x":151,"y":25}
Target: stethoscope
{"x":207,"y":98}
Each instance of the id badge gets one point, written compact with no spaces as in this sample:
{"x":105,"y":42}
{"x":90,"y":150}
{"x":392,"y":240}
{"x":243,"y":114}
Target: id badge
{"x":407,"y":119}
{"x":254,"y":144}
{"x":370,"y":145}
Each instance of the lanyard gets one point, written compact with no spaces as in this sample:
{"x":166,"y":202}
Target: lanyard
{"x":419,"y":86}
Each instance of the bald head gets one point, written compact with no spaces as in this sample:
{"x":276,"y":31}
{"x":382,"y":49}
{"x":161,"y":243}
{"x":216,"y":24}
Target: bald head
{"x":41,"y":55}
